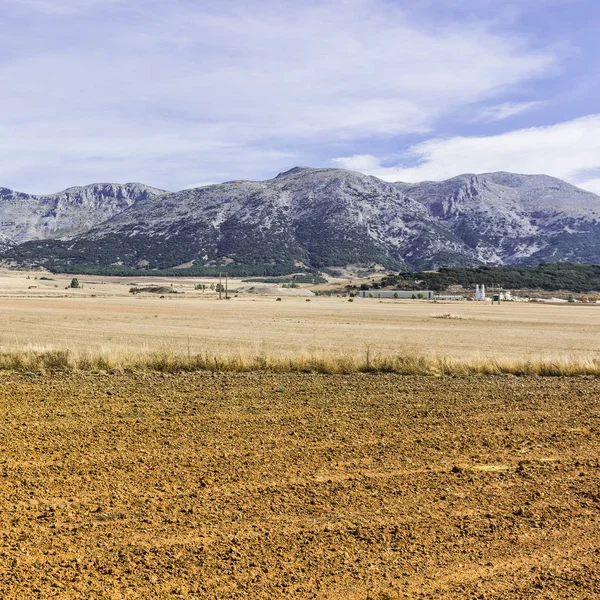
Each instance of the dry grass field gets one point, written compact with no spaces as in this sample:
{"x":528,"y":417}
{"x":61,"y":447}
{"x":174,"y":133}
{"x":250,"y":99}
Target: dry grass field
{"x":126,"y":472}
{"x":115,"y":322}
{"x":216,"y":486}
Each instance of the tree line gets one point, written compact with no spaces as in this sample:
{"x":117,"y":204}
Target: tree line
{"x":575,"y":277}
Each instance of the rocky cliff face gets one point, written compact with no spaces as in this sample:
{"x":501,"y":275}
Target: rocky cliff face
{"x":5,"y":243}
{"x":25,"y":217}
{"x":322,"y":217}
{"x":515,"y":219}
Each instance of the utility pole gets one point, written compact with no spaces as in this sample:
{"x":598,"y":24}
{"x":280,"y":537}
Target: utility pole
{"x":220,"y":286}
{"x":226,"y":282}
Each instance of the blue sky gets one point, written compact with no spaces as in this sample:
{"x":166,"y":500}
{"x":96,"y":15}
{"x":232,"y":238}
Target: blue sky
{"x":188,"y":92}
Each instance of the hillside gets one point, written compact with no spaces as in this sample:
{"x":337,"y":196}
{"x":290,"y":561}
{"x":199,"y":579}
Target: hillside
{"x":516,"y":219}
{"x":314,"y":218}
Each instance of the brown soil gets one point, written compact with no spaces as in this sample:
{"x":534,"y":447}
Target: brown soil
{"x":306,"y":486}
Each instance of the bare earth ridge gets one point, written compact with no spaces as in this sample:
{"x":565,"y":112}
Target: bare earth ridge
{"x":307,"y":486}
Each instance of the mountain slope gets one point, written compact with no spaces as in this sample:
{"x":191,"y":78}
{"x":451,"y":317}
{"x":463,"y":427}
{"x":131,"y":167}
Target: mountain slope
{"x":25,"y":217}
{"x":515,"y":219}
{"x":312,"y":217}
{"x":316,"y":218}
{"x":5,"y":243}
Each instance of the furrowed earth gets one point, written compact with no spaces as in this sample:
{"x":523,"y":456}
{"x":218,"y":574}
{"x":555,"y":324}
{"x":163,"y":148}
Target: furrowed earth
{"x":216,"y":485}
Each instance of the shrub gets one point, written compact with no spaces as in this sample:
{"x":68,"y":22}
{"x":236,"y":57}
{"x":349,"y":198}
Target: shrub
{"x":74,"y":283}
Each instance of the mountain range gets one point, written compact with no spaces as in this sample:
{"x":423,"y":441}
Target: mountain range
{"x":304,"y":219}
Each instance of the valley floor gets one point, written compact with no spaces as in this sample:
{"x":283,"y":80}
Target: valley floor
{"x":262,"y":325}
{"x":308,"y":486}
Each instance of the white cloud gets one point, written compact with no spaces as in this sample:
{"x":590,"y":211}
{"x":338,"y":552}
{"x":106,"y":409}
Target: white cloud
{"x":569,"y":150}
{"x":191,"y":91}
{"x":358,"y":162}
{"x":505,"y":110}
{"x":593,"y":185}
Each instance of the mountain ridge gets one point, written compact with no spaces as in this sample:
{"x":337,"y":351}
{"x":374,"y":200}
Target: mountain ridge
{"x":307,"y":218}
{"x":74,"y":210}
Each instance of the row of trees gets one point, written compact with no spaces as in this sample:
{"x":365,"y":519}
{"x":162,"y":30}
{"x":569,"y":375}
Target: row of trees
{"x":234,"y":270}
{"x":213,"y":287}
{"x":417,"y":296}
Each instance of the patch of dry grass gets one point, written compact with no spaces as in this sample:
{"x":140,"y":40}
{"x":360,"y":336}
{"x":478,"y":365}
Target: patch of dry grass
{"x":169,"y":361}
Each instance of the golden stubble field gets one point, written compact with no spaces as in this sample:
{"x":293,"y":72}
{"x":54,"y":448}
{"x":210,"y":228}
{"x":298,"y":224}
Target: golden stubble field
{"x":255,"y":324}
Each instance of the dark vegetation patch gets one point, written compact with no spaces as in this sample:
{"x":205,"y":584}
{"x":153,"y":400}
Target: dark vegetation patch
{"x":576,"y":277}
{"x":153,"y":289}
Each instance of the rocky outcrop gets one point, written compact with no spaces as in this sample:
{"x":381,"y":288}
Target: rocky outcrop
{"x":25,"y":217}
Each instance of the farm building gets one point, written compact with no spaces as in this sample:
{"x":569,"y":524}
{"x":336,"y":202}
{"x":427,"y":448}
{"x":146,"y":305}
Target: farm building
{"x":427,"y":294}
{"x":456,"y":297}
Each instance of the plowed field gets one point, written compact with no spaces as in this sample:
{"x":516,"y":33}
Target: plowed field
{"x":307,"y":486}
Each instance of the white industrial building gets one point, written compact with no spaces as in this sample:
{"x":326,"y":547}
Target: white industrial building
{"x":480,"y":292}
{"x":502,"y":295}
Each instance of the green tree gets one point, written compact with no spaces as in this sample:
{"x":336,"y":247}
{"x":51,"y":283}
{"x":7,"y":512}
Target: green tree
{"x":74,"y":283}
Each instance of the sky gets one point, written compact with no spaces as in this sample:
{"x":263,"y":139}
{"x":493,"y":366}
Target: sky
{"x":184,"y":93}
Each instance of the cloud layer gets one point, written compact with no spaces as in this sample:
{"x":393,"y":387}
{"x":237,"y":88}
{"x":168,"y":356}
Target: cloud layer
{"x":569,"y":150}
{"x":179,"y":92}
